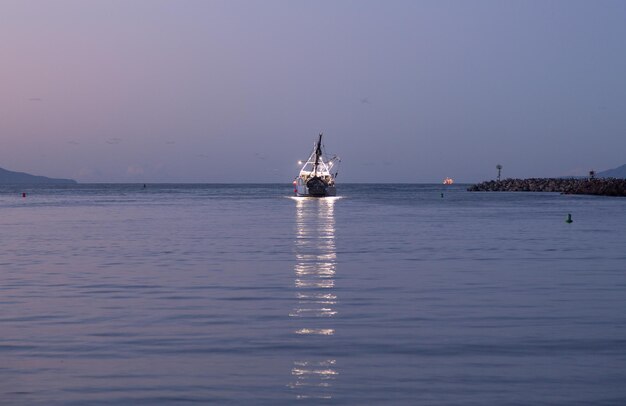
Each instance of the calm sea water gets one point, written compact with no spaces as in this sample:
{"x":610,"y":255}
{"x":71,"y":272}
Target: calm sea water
{"x":241,"y":294}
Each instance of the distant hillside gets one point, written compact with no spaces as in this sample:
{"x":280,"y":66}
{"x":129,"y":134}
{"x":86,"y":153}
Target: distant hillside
{"x":10,"y":177}
{"x":613,"y":173}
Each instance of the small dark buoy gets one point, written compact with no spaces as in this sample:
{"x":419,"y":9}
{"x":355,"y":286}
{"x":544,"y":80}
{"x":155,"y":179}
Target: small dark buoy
{"x":23,"y":194}
{"x":442,"y":195}
{"x":144,"y":185}
{"x":569,"y":219}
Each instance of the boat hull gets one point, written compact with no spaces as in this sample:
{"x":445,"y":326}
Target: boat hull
{"x":303,"y":191}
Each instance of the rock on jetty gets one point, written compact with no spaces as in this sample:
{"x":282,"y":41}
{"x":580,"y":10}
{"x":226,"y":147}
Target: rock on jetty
{"x":603,"y":187}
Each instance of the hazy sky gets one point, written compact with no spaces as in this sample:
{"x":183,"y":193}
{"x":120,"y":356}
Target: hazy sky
{"x":236,"y":91}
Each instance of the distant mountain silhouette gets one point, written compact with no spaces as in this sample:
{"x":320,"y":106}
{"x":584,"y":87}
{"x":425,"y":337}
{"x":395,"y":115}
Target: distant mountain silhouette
{"x":10,"y":177}
{"x":619,"y":173}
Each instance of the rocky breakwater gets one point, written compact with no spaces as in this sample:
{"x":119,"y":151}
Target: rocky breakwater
{"x":601,"y":186}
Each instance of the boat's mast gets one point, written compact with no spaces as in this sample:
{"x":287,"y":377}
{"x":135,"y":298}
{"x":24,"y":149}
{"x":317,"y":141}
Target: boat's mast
{"x":318,"y":154}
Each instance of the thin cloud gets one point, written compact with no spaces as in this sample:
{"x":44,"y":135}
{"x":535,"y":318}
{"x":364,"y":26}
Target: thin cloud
{"x":134,"y":170}
{"x":113,"y":141}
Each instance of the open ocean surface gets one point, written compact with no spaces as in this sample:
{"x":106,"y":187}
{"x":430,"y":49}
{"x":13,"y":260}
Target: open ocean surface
{"x":241,"y":294}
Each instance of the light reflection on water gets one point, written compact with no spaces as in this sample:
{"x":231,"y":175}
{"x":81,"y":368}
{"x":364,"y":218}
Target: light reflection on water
{"x":314,"y":273}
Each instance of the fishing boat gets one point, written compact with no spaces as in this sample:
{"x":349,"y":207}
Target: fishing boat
{"x":318,"y":174}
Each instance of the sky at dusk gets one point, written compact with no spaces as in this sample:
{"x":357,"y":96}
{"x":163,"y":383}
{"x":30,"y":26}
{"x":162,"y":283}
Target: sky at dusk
{"x":236,"y":91}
